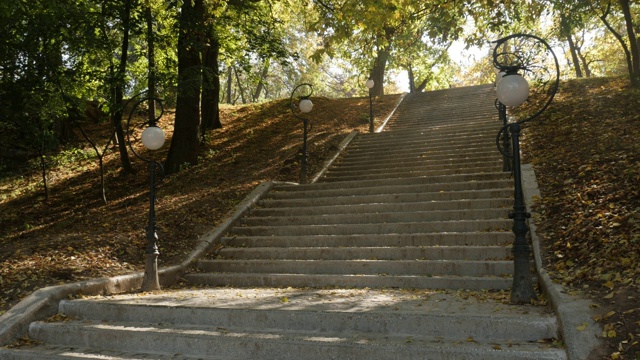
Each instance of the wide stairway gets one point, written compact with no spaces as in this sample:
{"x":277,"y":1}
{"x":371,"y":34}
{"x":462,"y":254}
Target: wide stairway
{"x":400,"y":251}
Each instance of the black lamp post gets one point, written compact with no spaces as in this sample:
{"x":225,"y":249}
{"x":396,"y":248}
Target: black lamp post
{"x":304,"y":106}
{"x":531,"y":56}
{"x":152,"y":138}
{"x":502,"y":116}
{"x":369,"y":85}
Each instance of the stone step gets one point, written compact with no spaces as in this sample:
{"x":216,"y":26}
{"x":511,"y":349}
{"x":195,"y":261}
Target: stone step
{"x":293,"y":192}
{"x":393,"y":145}
{"x":395,"y":228}
{"x":382,"y":184}
{"x":55,"y":352}
{"x":445,"y":156}
{"x":333,"y":175}
{"x":429,"y":138}
{"x":296,"y":192}
{"x":377,"y":253}
{"x":451,"y":205}
{"x":471,"y":238}
{"x":414,"y":162}
{"x":398,"y":198}
{"x":414,"y":266}
{"x":409,"y":167}
{"x":373,"y":218}
{"x":451,"y":150}
{"x":360,"y":281}
{"x":470,"y":126}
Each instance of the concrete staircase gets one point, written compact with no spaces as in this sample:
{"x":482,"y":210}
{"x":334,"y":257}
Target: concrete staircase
{"x":400,"y":251}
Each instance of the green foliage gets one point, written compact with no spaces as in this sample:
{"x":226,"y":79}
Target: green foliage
{"x":71,"y":156}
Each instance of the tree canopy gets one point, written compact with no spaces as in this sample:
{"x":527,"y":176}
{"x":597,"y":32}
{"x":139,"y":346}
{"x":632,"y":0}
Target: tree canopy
{"x":65,"y":62}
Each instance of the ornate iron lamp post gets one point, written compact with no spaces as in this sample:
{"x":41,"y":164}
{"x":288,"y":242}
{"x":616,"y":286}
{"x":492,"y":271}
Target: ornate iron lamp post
{"x":369,"y":85}
{"x":523,"y":55}
{"x":304,"y":106}
{"x":502,"y":116}
{"x":152,"y":138}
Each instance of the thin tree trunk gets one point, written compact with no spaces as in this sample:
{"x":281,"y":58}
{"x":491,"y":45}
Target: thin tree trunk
{"x":240,"y":89}
{"x":229,"y":85}
{"x":618,"y":37}
{"x":633,"y":42}
{"x":574,"y":56}
{"x":585,"y":64}
{"x":412,"y":80}
{"x":263,"y":76}
{"x":152,"y":64}
{"x":566,"y":31}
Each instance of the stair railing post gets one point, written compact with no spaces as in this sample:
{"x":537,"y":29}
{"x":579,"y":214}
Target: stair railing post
{"x":304,"y":106}
{"x":517,"y":56}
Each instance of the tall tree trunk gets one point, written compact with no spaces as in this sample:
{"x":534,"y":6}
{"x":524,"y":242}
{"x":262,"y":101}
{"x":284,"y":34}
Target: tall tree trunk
{"x":412,"y":80}
{"x":377,"y":72}
{"x":152,"y":64}
{"x":618,"y":37}
{"x":240,"y":89}
{"x":263,"y":76}
{"x":118,"y":93}
{"x":574,"y":56}
{"x":585,"y":63}
{"x":567,"y":32}
{"x":633,"y":43}
{"x":185,"y":144}
{"x":229,"y":85}
{"x":211,"y":87}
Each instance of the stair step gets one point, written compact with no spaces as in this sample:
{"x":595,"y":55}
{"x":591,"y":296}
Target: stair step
{"x":454,"y":205}
{"x":382,"y":184}
{"x":389,"y":198}
{"x":395,"y":228}
{"x":350,"y":281}
{"x":407,"y":172}
{"x":54,"y":352}
{"x":378,"y":253}
{"x":373,"y":218}
{"x":415,"y":239}
{"x":281,"y":193}
{"x":362,"y":267}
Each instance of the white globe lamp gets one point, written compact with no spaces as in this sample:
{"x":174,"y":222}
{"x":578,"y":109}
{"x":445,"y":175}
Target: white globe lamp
{"x":369,"y":83}
{"x":153,"y":138}
{"x":305,"y":105}
{"x":512,"y":90}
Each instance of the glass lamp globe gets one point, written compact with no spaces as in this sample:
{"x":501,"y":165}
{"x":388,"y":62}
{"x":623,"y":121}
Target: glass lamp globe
{"x":305,"y":105}
{"x":512,"y":90}
{"x":369,"y":83}
{"x":153,"y":138}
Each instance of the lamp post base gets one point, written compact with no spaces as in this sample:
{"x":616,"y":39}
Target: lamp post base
{"x":151,"y":281}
